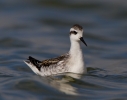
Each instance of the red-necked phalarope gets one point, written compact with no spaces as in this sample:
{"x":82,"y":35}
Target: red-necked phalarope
{"x":70,"y":62}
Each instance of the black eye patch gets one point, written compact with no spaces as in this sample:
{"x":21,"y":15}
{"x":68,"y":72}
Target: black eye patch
{"x":73,"y":32}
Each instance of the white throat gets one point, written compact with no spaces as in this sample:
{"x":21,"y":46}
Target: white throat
{"x":75,"y":48}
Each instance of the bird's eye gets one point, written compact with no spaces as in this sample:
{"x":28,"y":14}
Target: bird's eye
{"x":75,"y":32}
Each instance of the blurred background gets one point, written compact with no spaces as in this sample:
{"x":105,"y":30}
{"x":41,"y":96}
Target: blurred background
{"x":40,"y":28}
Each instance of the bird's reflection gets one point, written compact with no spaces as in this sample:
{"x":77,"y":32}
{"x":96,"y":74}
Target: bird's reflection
{"x":63,"y":82}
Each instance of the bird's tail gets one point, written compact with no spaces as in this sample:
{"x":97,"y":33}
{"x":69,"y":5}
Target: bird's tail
{"x":33,"y":64}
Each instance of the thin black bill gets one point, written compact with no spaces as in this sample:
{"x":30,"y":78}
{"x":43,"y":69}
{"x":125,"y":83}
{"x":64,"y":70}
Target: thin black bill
{"x":83,"y":41}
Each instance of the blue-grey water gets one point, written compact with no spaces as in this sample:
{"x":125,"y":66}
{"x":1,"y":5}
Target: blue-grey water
{"x":40,"y":28}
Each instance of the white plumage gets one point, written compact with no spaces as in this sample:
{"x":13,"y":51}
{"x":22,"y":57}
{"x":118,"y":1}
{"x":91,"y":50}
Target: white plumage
{"x":72,"y":62}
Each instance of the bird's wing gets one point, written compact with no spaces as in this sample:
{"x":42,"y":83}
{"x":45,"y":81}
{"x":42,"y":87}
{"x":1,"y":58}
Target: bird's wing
{"x":52,"y":61}
{"x":50,"y":66}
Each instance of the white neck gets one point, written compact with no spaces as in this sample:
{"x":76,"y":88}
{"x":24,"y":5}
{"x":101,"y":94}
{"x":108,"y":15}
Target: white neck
{"x":76,"y":57}
{"x":75,"y":48}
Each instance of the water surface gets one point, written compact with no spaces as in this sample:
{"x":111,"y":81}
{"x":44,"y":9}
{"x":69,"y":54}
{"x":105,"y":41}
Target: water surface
{"x":41,"y":29}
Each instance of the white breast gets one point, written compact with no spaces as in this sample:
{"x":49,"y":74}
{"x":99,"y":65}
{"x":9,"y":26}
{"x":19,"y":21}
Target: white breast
{"x":76,"y":64}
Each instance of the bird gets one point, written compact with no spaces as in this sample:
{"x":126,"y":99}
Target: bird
{"x":71,"y":62}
